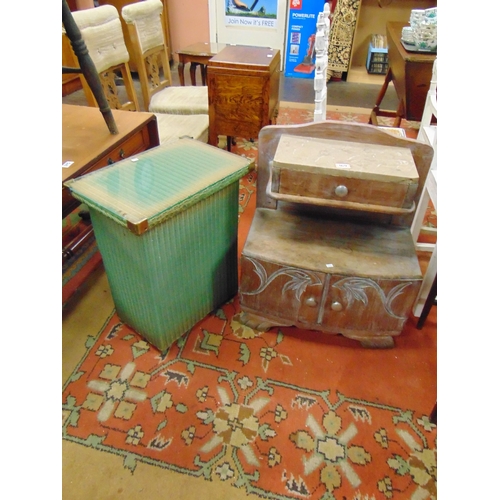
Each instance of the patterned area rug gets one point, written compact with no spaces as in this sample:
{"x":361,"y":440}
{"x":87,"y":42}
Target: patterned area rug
{"x":254,"y":409}
{"x":284,"y":414}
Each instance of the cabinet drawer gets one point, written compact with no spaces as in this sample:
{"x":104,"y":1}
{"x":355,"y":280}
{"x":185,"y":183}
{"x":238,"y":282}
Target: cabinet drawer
{"x":140,"y":141}
{"x":346,"y":189}
{"x":358,"y":176}
{"x":361,"y":303}
{"x":137,"y":143}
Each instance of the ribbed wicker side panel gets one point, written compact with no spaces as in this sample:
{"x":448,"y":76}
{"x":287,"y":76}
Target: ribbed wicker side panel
{"x":166,"y":280}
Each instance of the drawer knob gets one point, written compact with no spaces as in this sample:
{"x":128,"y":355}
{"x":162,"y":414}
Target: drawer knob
{"x":341,"y":191}
{"x":311,"y":301}
{"x":336,"y":306}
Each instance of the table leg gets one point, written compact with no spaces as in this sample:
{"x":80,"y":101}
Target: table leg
{"x":180,"y":69}
{"x":376,"y":111}
{"x":399,"y":114}
{"x":77,"y":242}
{"x":203,"y":74}
{"x":429,"y":302}
{"x":433,"y":418}
{"x":192,"y":72}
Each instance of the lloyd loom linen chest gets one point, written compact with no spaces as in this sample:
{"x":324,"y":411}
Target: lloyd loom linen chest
{"x":165,"y":223}
{"x":329,"y":247}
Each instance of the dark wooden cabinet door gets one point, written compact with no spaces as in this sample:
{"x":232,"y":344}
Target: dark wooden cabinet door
{"x":327,"y":302}
{"x":364,"y":304}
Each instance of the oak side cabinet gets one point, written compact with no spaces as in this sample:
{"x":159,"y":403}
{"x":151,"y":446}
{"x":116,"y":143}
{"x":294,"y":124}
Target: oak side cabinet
{"x":330,"y":247}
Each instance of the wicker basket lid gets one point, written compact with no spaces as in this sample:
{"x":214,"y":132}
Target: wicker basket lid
{"x":146,"y":189}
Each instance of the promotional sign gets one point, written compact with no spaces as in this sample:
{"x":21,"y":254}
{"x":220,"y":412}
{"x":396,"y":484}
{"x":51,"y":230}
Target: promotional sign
{"x":300,"y":56}
{"x":251,"y":13}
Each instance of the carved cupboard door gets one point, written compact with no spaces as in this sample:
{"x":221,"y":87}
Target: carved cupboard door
{"x":327,"y":302}
{"x":366,"y":304}
{"x":276,"y":291}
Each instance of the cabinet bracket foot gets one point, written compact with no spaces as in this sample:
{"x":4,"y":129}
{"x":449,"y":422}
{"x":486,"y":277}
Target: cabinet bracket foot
{"x":256,"y":322}
{"x":382,"y":342}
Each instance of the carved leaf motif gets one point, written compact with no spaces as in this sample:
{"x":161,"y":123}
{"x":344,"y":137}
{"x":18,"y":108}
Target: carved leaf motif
{"x":260,"y":271}
{"x":397,"y":290}
{"x":299,"y":279}
{"x":299,"y":282}
{"x":153,"y":70}
{"x":110,"y":90}
{"x":354,"y":289}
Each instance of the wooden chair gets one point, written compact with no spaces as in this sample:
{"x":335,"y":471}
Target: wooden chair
{"x":102,"y":33}
{"x":81,"y":65}
{"x":428,"y":135}
{"x":101,"y":30}
{"x":144,"y":21}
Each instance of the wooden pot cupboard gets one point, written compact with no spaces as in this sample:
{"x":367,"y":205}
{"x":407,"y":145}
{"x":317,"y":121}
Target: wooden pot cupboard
{"x":330,"y":247}
{"x":243,"y":91}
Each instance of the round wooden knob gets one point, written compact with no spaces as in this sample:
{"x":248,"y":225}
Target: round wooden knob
{"x":311,"y":301}
{"x":341,"y":191}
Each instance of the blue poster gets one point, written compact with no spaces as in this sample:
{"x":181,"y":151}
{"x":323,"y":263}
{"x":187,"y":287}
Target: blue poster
{"x":251,"y":13}
{"x":300,"y":56}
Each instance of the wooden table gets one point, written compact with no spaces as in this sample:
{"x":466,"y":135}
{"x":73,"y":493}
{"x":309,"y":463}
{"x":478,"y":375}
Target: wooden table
{"x":87,"y":142}
{"x":243,"y":91}
{"x":197,"y":54}
{"x":410,"y":73}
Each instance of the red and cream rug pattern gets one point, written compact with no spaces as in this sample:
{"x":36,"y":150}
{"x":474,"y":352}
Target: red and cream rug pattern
{"x":274,"y":413}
